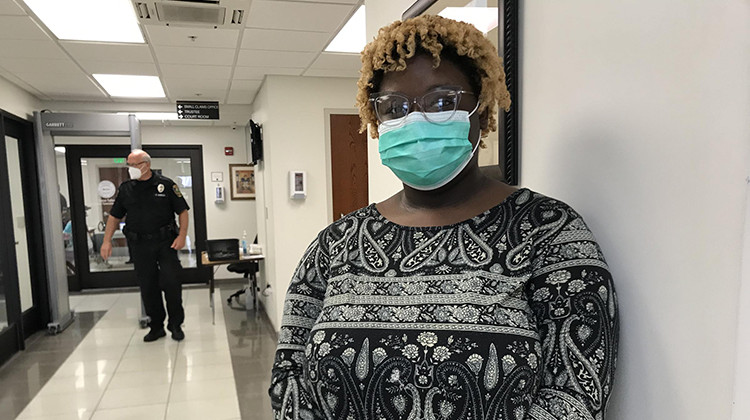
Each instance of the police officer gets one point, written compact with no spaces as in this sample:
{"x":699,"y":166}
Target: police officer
{"x":150,"y":201}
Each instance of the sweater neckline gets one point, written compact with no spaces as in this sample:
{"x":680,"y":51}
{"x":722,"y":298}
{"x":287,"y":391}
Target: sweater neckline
{"x":498,"y":207}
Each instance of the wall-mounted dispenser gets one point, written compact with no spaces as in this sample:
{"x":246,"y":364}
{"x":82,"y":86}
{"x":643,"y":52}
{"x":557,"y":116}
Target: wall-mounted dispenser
{"x":219,"y":194}
{"x":297,"y":184}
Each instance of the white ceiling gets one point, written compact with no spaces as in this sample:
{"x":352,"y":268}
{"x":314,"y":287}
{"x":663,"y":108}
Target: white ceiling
{"x":226,"y":64}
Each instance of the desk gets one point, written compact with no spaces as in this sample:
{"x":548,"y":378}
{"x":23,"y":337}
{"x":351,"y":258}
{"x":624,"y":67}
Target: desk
{"x":244,"y":258}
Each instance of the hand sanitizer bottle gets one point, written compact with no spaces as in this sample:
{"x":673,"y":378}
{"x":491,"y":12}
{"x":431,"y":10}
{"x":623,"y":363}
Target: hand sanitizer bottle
{"x":243,"y":243}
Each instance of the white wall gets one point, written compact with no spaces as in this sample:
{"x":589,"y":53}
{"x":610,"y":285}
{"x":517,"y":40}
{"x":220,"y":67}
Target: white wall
{"x":292,"y":111}
{"x":226,"y":220}
{"x":16,"y":100}
{"x":636,"y":113}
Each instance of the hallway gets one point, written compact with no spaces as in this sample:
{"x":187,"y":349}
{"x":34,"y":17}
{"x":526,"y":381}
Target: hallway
{"x":100,"y":368}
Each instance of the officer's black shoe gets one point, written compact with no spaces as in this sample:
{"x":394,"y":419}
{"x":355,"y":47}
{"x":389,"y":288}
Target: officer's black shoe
{"x":177,"y":333}
{"x":154,"y":335}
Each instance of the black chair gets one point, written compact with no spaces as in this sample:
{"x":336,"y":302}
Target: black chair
{"x":248,"y":270}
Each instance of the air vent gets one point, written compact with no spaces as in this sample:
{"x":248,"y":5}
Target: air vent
{"x":142,"y":9}
{"x":193,"y":14}
{"x":237,"y":16}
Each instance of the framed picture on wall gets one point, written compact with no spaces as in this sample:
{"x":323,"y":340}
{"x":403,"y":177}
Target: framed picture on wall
{"x":242,"y":182}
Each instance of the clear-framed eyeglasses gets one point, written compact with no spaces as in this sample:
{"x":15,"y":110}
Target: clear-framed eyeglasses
{"x":437,"y":106}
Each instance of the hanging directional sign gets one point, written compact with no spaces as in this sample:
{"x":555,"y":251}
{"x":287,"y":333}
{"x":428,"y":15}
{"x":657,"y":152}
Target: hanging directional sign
{"x":197,"y":110}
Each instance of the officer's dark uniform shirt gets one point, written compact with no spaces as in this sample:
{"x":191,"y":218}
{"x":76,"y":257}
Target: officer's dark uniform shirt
{"x":150,"y":204}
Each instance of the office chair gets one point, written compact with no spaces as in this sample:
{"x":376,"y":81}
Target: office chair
{"x":248,"y":269}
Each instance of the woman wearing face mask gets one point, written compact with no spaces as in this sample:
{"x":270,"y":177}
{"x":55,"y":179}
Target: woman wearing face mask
{"x":459,"y":297}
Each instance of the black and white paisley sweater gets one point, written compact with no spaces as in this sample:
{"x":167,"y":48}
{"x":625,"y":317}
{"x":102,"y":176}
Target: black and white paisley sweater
{"x":509,"y":315}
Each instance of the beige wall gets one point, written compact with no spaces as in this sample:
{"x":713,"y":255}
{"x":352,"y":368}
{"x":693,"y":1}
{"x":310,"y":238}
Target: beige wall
{"x":292,"y":112}
{"x":17,"y":101}
{"x":636,"y":113}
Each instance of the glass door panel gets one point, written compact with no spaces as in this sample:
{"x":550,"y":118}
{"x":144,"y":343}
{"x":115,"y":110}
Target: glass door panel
{"x":178,"y":170}
{"x":19,"y":222}
{"x":101,"y":179}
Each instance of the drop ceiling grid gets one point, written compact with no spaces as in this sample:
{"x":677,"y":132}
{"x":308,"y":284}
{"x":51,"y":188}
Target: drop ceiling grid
{"x":279,"y":37}
{"x":20,"y":27}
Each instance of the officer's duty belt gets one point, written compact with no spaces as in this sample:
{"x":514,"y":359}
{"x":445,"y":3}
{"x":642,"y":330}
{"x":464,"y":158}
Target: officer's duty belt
{"x":164,"y":232}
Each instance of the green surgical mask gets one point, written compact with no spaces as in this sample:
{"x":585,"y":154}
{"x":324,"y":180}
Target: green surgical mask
{"x":426,"y":155}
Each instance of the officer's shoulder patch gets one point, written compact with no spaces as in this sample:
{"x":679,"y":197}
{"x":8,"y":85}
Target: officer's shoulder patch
{"x":176,"y":190}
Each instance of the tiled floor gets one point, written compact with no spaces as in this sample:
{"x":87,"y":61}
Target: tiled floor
{"x":107,"y":372}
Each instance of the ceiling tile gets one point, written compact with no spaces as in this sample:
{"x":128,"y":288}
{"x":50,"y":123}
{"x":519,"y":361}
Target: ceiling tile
{"x":258,"y":73}
{"x":187,"y":71}
{"x":190,"y":84}
{"x":316,"y":17}
{"x":40,"y":65}
{"x":30,"y":49}
{"x":138,"y":53}
{"x":272,"y":39}
{"x":115,"y":67}
{"x":20,"y":83}
{"x":204,"y":37}
{"x":337,"y":61}
{"x":188,"y":55}
{"x":241,"y":96}
{"x":10,"y":8}
{"x":252,"y":58}
{"x":333,"y":1}
{"x":246,"y":84}
{"x":191,"y":95}
{"x":332,"y":73}
{"x":63,"y":84}
{"x":20,"y":27}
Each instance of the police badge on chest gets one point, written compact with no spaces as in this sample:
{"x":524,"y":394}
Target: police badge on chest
{"x":160,"y":191}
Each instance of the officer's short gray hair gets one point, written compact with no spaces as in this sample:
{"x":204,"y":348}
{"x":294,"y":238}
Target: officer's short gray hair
{"x":146,"y":156}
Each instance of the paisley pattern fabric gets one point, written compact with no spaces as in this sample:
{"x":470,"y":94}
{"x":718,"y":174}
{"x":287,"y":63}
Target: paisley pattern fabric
{"x":509,"y":315}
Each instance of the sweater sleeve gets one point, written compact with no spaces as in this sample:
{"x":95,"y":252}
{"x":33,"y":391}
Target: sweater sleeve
{"x":575,"y":305}
{"x":290,"y":391}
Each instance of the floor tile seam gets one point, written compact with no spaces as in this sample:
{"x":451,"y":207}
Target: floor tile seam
{"x":54,"y":374}
{"x":229,"y":349}
{"x":106,"y":387}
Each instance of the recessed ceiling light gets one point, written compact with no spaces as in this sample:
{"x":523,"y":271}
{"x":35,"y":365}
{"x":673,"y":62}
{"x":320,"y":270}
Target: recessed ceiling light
{"x":128,"y":86}
{"x":151,"y":116}
{"x":352,"y":37}
{"x":483,"y":18}
{"x":89,"y":20}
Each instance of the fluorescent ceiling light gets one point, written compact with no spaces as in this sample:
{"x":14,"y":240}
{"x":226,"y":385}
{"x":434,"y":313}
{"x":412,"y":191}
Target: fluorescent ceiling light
{"x":158,"y":116}
{"x":351,"y":38}
{"x":128,"y":86}
{"x":483,"y":18}
{"x":89,"y":20}
{"x":60,"y":149}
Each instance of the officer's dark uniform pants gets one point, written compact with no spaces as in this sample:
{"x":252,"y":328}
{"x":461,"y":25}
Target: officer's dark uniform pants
{"x":158,"y":269}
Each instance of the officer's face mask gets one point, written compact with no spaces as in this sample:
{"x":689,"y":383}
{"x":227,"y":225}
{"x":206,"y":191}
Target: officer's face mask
{"x":426,"y":155}
{"x":134,"y":173}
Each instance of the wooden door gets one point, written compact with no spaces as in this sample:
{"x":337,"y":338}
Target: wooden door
{"x":348,"y":165}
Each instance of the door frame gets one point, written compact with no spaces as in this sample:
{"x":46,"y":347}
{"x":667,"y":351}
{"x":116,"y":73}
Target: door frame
{"x":22,"y":324}
{"x":83,"y":278}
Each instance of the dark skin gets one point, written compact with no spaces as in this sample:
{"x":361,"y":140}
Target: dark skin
{"x":471,"y":192}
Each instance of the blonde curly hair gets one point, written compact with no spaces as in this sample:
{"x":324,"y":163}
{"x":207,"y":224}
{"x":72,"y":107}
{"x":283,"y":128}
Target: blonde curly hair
{"x":459,"y":42}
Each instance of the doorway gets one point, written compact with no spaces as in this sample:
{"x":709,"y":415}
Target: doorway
{"x":23,"y":298}
{"x":94,"y":173}
{"x":348,"y":165}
